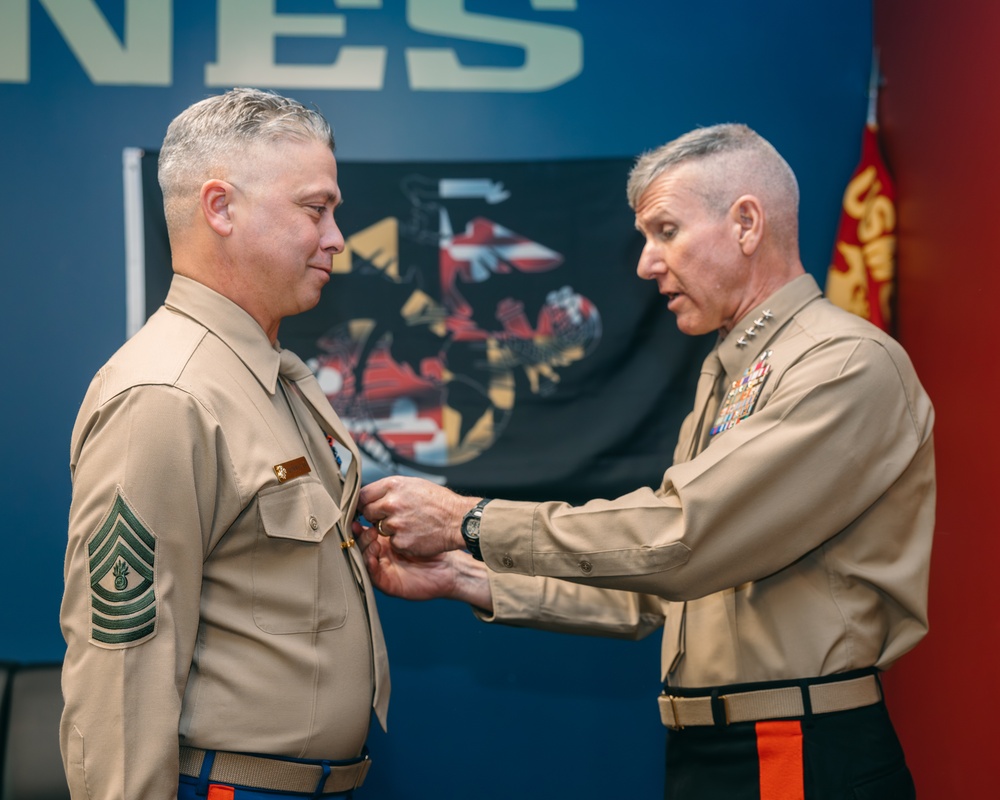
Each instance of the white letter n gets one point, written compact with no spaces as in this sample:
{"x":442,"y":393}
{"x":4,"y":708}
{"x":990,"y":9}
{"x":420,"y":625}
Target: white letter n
{"x":142,"y":59}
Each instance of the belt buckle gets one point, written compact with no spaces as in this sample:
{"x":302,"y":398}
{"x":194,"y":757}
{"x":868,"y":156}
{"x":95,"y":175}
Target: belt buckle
{"x":724,"y":698}
{"x":677,"y":726}
{"x":363,"y":771}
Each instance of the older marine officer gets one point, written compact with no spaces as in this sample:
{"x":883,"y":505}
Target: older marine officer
{"x":221,"y":631}
{"x":786,"y":551}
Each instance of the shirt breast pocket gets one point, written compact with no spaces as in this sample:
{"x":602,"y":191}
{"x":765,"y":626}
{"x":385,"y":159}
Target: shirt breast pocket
{"x":299,"y":573}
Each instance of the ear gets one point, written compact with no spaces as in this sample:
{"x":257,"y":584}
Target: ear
{"x":216,"y":200}
{"x":748,"y":216}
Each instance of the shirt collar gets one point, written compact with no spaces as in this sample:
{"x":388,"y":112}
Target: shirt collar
{"x":751,"y":335}
{"x":230,"y":323}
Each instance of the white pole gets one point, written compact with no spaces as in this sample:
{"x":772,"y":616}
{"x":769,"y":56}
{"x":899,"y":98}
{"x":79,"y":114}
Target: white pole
{"x":135,"y":244}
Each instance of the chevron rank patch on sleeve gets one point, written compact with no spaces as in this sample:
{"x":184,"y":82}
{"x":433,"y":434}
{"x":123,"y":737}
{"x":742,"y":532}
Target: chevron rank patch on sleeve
{"x":122,"y":554}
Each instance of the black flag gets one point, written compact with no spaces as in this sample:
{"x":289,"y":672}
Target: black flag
{"x":485,"y":328}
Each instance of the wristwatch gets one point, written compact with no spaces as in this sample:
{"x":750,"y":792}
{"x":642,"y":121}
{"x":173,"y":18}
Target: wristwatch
{"x":470,"y":528}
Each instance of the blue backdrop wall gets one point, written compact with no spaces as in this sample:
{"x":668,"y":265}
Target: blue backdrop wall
{"x":477,"y":710}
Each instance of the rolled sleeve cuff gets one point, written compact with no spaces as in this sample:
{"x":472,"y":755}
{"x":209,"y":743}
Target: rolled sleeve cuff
{"x":506,"y":536}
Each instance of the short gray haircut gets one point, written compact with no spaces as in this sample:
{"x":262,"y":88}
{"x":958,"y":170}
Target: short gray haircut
{"x":737,"y":161}
{"x":207,"y":138}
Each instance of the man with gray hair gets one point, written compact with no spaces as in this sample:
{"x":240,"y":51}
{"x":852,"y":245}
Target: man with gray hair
{"x":221,"y":631}
{"x":785,"y":553}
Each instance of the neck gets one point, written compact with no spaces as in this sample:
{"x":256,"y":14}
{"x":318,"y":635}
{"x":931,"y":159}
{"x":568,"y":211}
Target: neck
{"x":766,"y":281}
{"x":216,"y":273}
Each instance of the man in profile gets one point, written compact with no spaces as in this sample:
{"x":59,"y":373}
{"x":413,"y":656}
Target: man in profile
{"x":222,"y":637}
{"x":785,"y":553}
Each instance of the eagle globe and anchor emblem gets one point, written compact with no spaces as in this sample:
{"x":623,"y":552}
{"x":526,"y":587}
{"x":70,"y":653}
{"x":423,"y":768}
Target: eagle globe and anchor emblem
{"x":424,"y":382}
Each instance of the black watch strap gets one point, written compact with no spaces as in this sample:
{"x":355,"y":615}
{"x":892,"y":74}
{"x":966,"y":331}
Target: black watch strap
{"x":470,"y":528}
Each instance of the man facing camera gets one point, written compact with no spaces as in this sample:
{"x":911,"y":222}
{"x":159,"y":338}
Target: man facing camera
{"x":785,"y":553}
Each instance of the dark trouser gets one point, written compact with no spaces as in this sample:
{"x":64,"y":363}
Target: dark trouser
{"x":845,"y":755}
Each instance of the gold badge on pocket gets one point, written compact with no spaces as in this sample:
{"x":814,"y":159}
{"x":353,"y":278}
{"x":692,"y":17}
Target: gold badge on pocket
{"x":295,"y":468}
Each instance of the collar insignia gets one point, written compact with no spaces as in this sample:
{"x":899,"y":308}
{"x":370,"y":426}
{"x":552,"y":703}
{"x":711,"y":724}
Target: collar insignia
{"x":750,"y":332}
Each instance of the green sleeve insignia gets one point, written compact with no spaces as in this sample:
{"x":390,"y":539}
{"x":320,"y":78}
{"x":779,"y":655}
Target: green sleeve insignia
{"x":122,"y":557}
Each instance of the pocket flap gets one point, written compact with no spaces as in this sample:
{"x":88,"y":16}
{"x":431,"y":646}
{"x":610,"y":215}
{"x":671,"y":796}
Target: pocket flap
{"x":302,"y":510}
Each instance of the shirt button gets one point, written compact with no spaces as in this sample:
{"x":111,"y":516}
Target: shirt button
{"x":508,"y":562}
{"x":586,"y":566}
{"x":314,"y":523}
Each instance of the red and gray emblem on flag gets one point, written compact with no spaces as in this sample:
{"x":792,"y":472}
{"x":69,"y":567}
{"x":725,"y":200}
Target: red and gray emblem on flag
{"x":428,"y":380}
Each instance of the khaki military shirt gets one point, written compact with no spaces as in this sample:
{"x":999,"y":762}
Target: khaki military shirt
{"x":209,"y":600}
{"x":796,"y":543}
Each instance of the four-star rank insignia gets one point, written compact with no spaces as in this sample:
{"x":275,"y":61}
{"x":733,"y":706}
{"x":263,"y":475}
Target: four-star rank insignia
{"x":741,"y":398}
{"x":122,"y":556}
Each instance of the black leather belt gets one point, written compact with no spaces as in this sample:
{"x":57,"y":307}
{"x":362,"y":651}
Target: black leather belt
{"x":276,"y":774}
{"x":772,"y":703}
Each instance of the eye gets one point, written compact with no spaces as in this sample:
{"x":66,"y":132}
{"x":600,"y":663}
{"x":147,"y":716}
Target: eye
{"x":668,"y":232}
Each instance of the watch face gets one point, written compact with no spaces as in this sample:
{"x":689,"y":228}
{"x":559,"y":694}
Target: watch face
{"x":472,"y":527}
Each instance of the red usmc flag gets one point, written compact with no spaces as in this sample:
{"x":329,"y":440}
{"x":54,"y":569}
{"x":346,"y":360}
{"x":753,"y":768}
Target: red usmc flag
{"x":860,"y":279}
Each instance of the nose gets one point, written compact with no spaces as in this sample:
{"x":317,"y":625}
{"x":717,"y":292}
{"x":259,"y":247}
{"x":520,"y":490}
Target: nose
{"x":331,"y":239}
{"x":650,"y":262}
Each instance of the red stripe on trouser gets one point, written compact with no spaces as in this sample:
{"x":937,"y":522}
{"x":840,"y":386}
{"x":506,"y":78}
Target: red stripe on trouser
{"x":779,"y":752}
{"x":219,"y":792}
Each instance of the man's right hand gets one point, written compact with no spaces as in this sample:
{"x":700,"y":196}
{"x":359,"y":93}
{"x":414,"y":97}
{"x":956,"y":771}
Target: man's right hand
{"x":454,"y":575}
{"x":422,"y":518}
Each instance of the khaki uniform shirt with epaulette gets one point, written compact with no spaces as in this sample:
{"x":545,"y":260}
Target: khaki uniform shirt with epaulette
{"x":795,"y":543}
{"x":210,"y":597}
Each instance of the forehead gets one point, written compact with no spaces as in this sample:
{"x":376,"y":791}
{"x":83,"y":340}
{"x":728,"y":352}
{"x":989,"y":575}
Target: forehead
{"x":290,"y":162}
{"x":674,"y":193}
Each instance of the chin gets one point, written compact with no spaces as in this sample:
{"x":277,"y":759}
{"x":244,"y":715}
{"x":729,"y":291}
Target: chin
{"x":693,"y":327}
{"x":310,"y":303}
